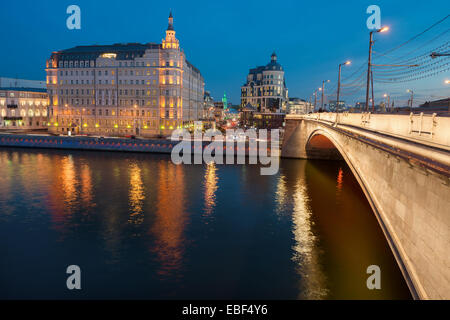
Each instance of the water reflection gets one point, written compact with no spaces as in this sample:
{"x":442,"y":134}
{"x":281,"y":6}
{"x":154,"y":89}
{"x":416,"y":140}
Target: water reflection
{"x":210,"y":186}
{"x":170,"y":221}
{"x":140,"y":220}
{"x":86,"y":187}
{"x":339,"y":184}
{"x":306,"y":252}
{"x":137,"y":196}
{"x":281,"y":195}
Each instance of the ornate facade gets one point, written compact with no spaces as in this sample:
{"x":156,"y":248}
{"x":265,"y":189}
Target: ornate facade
{"x":124,"y":89}
{"x":265,"y":88}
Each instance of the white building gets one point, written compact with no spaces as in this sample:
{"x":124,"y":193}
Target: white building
{"x":266,"y":88}
{"x":124,"y":89}
{"x":23,"y":108}
{"x":298,"y":106}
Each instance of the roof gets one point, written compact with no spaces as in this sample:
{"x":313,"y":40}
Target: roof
{"x":43,"y":90}
{"x":124,"y":51}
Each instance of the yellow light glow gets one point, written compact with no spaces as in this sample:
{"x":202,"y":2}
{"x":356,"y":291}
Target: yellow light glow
{"x":348,"y":62}
{"x":85,"y":125}
{"x":97,"y":125}
{"x":384,"y":29}
{"x":116,"y":126}
{"x":109,"y":55}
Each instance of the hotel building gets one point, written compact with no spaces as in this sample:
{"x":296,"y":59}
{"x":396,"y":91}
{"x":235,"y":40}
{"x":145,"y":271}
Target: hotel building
{"x":23,"y":108}
{"x":124,"y":89}
{"x":265,"y":88}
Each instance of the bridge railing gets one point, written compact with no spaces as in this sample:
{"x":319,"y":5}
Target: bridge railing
{"x":416,"y":126}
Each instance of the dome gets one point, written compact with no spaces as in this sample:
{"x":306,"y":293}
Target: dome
{"x":273,"y":64}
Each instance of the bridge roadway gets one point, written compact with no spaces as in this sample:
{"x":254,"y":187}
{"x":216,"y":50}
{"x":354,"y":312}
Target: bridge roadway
{"x":402,"y":163}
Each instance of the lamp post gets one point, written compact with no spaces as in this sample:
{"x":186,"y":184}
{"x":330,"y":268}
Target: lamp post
{"x":411,"y":99}
{"x":315,"y":97}
{"x":369,"y":63}
{"x":388,"y":101}
{"x":339,"y":83}
{"x":323,"y":90}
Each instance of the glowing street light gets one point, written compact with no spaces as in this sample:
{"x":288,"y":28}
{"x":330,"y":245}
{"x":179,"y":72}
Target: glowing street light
{"x":412,"y":97}
{"x":346,"y":63}
{"x":369,"y":64}
{"x":388,"y":100}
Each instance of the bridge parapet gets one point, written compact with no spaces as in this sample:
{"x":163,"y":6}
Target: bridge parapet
{"x":429,"y":129}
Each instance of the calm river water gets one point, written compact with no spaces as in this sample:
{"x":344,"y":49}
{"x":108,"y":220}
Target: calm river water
{"x":141,"y":227}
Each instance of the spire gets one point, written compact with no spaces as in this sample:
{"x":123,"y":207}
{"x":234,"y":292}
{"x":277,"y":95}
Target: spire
{"x":170,"y":27}
{"x":274,"y":56}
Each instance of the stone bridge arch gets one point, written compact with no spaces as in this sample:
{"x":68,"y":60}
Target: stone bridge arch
{"x":409,"y":200}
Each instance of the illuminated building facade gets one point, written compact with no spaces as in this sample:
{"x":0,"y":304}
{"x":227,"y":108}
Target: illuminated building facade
{"x":23,"y":108}
{"x":266,"y":88}
{"x":298,"y":106}
{"x":124,"y":89}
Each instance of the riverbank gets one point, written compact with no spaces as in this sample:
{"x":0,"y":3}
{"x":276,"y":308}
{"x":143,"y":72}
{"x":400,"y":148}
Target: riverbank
{"x":87,"y":143}
{"x":102,"y":143}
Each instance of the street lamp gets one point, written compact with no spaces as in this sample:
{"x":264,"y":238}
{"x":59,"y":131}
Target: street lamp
{"x":447,"y":81}
{"x":411,"y":99}
{"x":384,"y":29}
{"x":315,"y":96}
{"x":388,"y":102}
{"x":346,"y":63}
{"x":323,"y":90}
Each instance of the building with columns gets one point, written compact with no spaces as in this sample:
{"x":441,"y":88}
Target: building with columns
{"x":265,"y":88}
{"x":124,"y":89}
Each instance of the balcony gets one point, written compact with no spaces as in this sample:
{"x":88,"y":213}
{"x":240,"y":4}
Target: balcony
{"x":11,"y":106}
{"x":13,"y":118}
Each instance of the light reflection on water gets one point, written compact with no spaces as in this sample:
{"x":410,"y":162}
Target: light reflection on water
{"x":141,"y":227}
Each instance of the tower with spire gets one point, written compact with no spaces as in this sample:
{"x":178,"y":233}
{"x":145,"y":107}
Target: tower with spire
{"x":170,"y":42}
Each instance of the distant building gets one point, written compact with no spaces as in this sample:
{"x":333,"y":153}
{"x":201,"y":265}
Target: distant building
{"x":21,"y":83}
{"x":208,"y":106}
{"x":124,"y":89}
{"x":298,"y":106}
{"x":441,"y":104}
{"x":23,"y":108}
{"x":360,"y":106}
{"x":332,"y":105}
{"x":250,"y":117}
{"x":265,"y":88}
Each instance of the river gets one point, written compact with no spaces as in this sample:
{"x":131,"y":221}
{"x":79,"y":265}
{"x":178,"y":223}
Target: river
{"x":140,"y":227}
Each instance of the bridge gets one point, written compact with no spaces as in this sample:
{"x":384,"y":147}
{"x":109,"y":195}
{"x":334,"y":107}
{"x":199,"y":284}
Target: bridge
{"x":402,"y":163}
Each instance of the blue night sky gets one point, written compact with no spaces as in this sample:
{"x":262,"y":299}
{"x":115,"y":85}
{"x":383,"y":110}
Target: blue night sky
{"x":226,"y":38}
